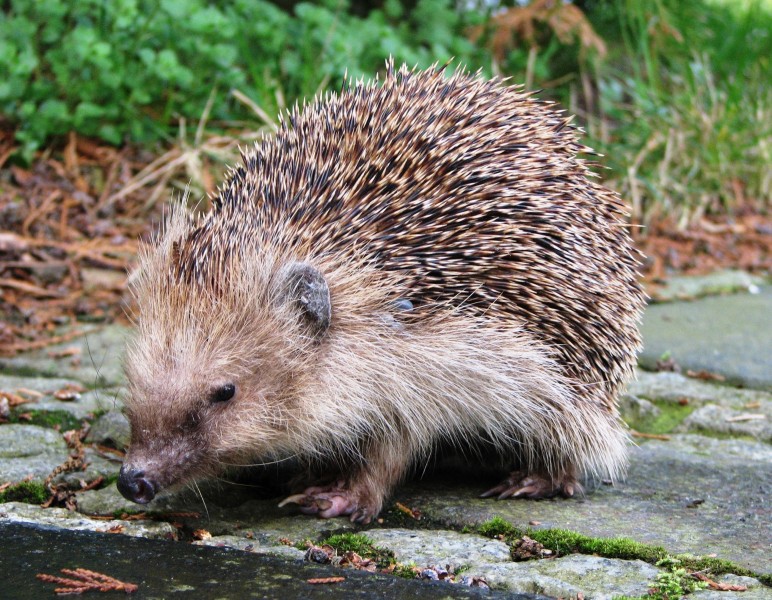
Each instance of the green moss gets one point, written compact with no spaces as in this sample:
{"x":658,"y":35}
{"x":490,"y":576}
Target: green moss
{"x":670,"y":415}
{"x":29,"y":371}
{"x":31,"y":492}
{"x":497,"y":527}
{"x":563,"y":541}
{"x":62,"y":419}
{"x":715,"y":566}
{"x":406,"y":571}
{"x":349,"y":542}
{"x":99,"y":412}
{"x":121,"y":514}
{"x":362,"y":545}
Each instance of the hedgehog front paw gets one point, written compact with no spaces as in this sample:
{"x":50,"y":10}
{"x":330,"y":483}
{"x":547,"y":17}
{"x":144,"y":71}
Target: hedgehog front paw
{"x":521,"y":484}
{"x":333,"y":501}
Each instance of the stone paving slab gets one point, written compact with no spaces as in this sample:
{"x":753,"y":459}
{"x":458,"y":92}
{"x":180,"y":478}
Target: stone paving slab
{"x":689,"y":494}
{"x":445,"y":548}
{"x":718,"y":410}
{"x":728,"y":335}
{"x":756,"y":590}
{"x":592,"y":576}
{"x":85,"y":403}
{"x":259,"y":526}
{"x":674,"y":387}
{"x":18,"y":512}
{"x":172,"y":570}
{"x":723,"y":282}
{"x":29,"y":451}
{"x":96,"y":362}
{"x":705,"y":490}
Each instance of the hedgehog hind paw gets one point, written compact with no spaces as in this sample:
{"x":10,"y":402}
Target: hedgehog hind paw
{"x":331,"y":501}
{"x":534,"y":485}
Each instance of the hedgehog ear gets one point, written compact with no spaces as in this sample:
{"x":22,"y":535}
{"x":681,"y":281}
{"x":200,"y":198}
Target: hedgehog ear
{"x":305,"y":285}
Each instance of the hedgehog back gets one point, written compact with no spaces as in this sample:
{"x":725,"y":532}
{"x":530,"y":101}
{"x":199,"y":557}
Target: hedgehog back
{"x":471,"y":190}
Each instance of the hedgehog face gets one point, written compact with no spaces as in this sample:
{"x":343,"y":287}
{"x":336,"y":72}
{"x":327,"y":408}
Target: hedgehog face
{"x":186,"y":426}
{"x":207,"y":393}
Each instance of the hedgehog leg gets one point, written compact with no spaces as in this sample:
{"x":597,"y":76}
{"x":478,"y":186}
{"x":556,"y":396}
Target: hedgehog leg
{"x":343,"y":498}
{"x":324,"y":500}
{"x":521,"y":484}
{"x":360,"y":496}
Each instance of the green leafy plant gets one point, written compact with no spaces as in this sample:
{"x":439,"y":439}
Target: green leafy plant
{"x":130,"y":69}
{"x":674,"y":582}
{"x":684,"y":108}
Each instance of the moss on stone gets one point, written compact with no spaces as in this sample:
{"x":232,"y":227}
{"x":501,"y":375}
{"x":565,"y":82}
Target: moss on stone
{"x":16,"y":370}
{"x":406,"y":571}
{"x":670,"y":415}
{"x":499,"y":527}
{"x":563,"y":541}
{"x":31,"y":492}
{"x":51,"y":419}
{"x":362,"y":545}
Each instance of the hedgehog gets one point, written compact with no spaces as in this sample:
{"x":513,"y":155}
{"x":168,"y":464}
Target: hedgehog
{"x":409,"y":264}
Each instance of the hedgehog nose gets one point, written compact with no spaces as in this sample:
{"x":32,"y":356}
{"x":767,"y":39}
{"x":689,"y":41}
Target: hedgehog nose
{"x":134,"y":486}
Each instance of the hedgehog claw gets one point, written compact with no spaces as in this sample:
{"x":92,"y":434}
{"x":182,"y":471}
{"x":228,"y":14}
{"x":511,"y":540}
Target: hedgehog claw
{"x":294,"y":499}
{"x":328,"y":502}
{"x":499,"y":489}
{"x":362,"y":517}
{"x":321,"y":504}
{"x":519,"y":485}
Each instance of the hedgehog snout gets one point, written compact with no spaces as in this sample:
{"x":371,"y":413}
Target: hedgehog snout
{"x":134,"y":486}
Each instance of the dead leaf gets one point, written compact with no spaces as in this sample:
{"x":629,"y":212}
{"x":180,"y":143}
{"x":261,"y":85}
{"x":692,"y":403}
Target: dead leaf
{"x":705,"y":375}
{"x":14,"y":399}
{"x":519,"y":24}
{"x":717,"y":585}
{"x":69,"y":392}
{"x":71,"y":351}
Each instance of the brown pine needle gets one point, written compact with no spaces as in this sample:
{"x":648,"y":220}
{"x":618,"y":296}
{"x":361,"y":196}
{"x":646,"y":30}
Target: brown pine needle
{"x":649,"y":436}
{"x":83,"y":580}
{"x":325,"y":580}
{"x":407,"y":510}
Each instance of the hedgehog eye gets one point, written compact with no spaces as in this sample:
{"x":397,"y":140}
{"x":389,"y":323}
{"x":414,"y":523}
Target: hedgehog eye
{"x":222,"y":393}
